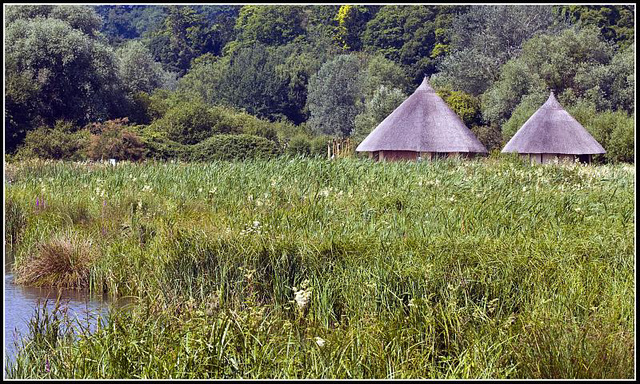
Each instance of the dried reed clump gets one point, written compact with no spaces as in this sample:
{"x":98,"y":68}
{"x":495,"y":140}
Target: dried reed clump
{"x":63,"y":261}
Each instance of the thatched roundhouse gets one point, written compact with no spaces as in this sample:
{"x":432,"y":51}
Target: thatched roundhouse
{"x":552,"y":134}
{"x":422,"y":127}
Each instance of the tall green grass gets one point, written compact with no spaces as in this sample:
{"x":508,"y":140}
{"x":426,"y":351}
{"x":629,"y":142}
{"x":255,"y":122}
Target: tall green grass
{"x":489,"y":268}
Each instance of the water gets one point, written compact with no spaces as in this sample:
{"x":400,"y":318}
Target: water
{"x":20,"y":303}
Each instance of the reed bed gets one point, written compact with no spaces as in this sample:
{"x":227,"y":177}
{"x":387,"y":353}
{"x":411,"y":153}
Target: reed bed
{"x":307,"y":268}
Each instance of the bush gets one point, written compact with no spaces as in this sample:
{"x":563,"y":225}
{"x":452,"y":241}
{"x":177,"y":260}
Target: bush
{"x":62,"y":142}
{"x":159,"y":146}
{"x":621,"y":144}
{"x":232,"y":147}
{"x":112,"y":139}
{"x":299,"y":145}
{"x":489,"y":136}
{"x":613,"y":130}
{"x":319,"y":145}
{"x":189,"y":122}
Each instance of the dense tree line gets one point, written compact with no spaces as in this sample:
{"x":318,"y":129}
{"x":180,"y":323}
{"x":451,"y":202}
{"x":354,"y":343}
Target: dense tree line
{"x":176,"y":75}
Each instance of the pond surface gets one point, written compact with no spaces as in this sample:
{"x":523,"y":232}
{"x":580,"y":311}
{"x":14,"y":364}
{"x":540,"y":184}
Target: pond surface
{"x":20,"y":303}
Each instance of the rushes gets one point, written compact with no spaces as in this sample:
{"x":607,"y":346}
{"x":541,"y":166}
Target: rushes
{"x":461,"y":269}
{"x":62,"y":261}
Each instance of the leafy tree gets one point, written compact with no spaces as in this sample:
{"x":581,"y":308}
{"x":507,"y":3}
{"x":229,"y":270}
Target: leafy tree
{"x":204,"y":78}
{"x":184,"y":35}
{"x":351,"y":21}
{"x":547,"y":62}
{"x":384,"y":101}
{"x":299,"y":145}
{"x":381,"y":71}
{"x":406,"y":35}
{"x":269,"y":24}
{"x":609,"y":86}
{"x":190,"y":122}
{"x":137,"y":68}
{"x":486,"y":37}
{"x":466,"y":106}
{"x":250,"y":81}
{"x":54,"y":71}
{"x":335,"y":96}
{"x":82,"y":18}
{"x":615,"y":22}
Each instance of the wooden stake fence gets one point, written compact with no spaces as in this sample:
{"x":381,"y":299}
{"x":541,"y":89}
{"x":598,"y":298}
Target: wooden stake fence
{"x":337,"y":148}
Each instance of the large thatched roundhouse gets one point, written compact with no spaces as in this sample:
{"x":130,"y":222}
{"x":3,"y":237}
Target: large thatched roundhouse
{"x":552,"y":134}
{"x":422,"y":127}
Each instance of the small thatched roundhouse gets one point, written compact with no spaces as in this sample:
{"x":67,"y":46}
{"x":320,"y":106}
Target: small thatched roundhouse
{"x":552,"y":134}
{"x":422,"y":127}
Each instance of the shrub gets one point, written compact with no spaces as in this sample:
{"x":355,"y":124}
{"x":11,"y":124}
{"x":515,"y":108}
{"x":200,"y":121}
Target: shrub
{"x":189,"y":122}
{"x":299,"y":145}
{"x":112,"y":139}
{"x":490,"y":136}
{"x":63,"y":141}
{"x":621,"y":144}
{"x":159,"y":146}
{"x":232,"y":147}
{"x":319,"y":145}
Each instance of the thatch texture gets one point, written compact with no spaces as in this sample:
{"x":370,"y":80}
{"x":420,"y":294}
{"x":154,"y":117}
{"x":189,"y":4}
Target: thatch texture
{"x":553,"y":130}
{"x":422,"y":123}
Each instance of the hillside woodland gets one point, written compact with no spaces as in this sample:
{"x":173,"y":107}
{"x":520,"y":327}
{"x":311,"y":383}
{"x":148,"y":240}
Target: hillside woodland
{"x":149,"y":81}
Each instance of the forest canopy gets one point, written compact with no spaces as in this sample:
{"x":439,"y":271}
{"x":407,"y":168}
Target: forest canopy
{"x":173,"y":76}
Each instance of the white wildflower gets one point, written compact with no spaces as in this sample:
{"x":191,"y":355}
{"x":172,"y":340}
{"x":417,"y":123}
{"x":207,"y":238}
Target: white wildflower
{"x":320,"y":341}
{"x":303,"y":295}
{"x":256,"y":224}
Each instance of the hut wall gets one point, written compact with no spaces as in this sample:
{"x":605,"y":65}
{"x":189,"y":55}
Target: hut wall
{"x":545,"y":158}
{"x":556,"y":158}
{"x":398,"y":155}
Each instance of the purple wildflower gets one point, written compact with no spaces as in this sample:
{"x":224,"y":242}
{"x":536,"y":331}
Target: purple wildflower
{"x":47,"y":368}
{"x":37,"y":202}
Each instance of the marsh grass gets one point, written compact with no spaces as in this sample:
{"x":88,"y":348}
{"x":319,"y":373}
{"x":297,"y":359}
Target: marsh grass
{"x":488,"y":268}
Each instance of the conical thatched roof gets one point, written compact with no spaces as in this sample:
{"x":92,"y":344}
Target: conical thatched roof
{"x":422,"y":123}
{"x":553,"y":130}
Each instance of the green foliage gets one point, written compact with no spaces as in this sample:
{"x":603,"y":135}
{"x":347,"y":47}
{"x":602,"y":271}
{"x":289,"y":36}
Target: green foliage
{"x":138,"y":71}
{"x":486,"y":37}
{"x":612,"y":129}
{"x":351,"y":21}
{"x":62,"y":141}
{"x":527,"y":107}
{"x":334,"y":98}
{"x":490,"y":136}
{"x":269,"y":24}
{"x":622,"y":142}
{"x":114,"y":140}
{"x":190,"y":122}
{"x":615,"y":22}
{"x":384,"y":101}
{"x":299,"y":145}
{"x":82,"y":18}
{"x":381,"y":71}
{"x":232,"y":147}
{"x":611,"y":85}
{"x":466,"y":106}
{"x":547,"y":62}
{"x":319,"y":145}
{"x":158,"y":145}
{"x":53,"y":72}
{"x":184,"y":35}
{"x":406,"y":35}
